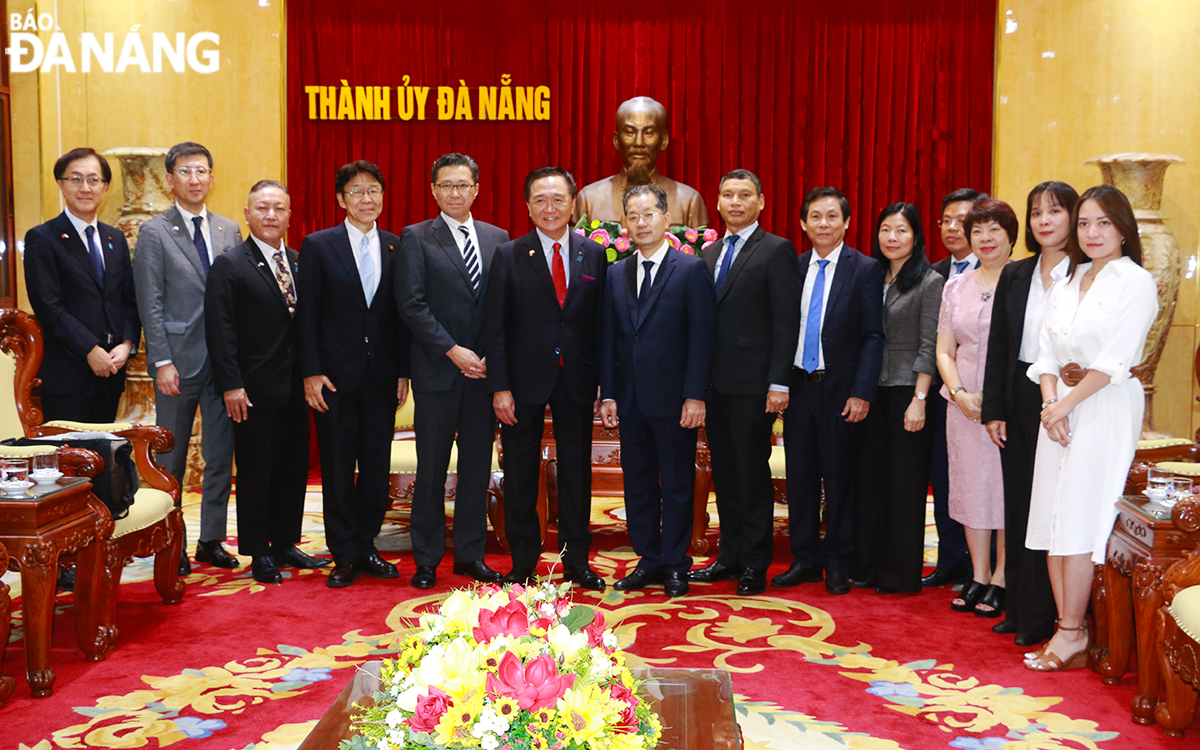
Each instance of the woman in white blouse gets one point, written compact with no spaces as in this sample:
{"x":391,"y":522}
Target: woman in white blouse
{"x":1094,"y":330}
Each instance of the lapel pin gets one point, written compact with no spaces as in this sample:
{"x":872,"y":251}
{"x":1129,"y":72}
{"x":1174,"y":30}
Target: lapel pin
{"x":66,"y":237}
{"x":530,"y":252}
{"x":110,"y":246}
{"x":174,"y":228}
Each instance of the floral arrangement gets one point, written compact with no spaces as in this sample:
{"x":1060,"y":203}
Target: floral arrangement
{"x":615,"y":238}
{"x":510,"y":668}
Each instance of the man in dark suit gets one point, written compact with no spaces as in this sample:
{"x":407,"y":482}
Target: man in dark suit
{"x":953,"y":561}
{"x":544,"y":303}
{"x":249,"y":310}
{"x":80,"y":285}
{"x":354,"y":357}
{"x":171,"y":263}
{"x":656,"y":356}
{"x":834,"y":375}
{"x":758,"y":282}
{"x":442,"y":282}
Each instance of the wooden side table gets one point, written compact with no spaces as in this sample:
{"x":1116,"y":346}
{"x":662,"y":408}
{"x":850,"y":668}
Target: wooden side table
{"x":6,"y":683}
{"x":1128,"y":593}
{"x":45,"y":522}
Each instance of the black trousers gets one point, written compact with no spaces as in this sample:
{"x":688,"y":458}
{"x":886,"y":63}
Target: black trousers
{"x":99,"y":406}
{"x":271,"y":446}
{"x":952,"y":539}
{"x":1030,"y":599}
{"x":522,"y":463}
{"x":819,"y":445}
{"x":464,"y":413}
{"x":356,"y":431}
{"x":658,"y":459}
{"x":890,"y":502}
{"x":739,"y":440}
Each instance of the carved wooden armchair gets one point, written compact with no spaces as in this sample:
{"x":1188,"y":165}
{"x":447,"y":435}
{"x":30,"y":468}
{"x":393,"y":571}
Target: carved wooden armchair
{"x":154,"y":523}
{"x":6,"y":683}
{"x":1178,"y":630}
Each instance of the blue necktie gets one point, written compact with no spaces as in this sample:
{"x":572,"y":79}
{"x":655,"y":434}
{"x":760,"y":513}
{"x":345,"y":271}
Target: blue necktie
{"x":94,"y":251}
{"x":726,"y":262}
{"x":366,"y":269}
{"x":644,"y":292}
{"x":960,"y":266}
{"x":812,"y":326}
{"x":201,"y":245}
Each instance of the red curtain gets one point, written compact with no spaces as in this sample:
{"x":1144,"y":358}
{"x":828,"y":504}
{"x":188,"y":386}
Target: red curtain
{"x":887,"y":100}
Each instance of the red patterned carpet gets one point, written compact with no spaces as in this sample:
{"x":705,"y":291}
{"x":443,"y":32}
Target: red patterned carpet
{"x":241,"y":665}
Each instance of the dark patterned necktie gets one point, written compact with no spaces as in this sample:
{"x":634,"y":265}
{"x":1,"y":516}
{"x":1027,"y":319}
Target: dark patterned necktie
{"x":284,"y":279}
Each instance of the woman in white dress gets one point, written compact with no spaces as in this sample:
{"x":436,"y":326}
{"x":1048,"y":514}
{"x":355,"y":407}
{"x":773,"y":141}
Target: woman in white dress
{"x":1094,"y":330}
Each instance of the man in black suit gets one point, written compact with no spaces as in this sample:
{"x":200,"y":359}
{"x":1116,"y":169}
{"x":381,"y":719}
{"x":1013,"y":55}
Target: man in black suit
{"x":250,"y":328}
{"x":834,"y":375}
{"x":80,"y":285}
{"x":758,"y":282}
{"x":354,"y":357}
{"x":953,"y":561}
{"x":656,"y":356}
{"x":441,"y":286}
{"x":542,"y":337}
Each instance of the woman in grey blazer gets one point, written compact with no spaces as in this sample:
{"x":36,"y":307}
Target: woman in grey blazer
{"x":893,"y":484}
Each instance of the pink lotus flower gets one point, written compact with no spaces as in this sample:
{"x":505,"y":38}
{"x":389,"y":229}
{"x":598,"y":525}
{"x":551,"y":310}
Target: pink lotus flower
{"x":542,"y":623}
{"x":511,"y":619}
{"x":601,"y":236}
{"x":706,"y":244}
{"x":673,"y":241}
{"x":535,"y":685}
{"x":430,"y":708}
{"x":595,"y":631}
{"x":710,"y":235}
{"x":624,"y":232}
{"x":580,"y":232}
{"x":691,"y":235}
{"x":622,"y":244}
{"x":688,"y":249}
{"x":627,"y":721}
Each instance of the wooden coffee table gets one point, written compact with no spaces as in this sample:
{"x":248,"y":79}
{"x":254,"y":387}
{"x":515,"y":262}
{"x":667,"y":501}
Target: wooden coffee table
{"x":695,"y":705}
{"x":48,"y":521}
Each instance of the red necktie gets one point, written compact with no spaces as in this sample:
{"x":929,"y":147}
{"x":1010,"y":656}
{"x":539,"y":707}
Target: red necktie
{"x":560,"y":275}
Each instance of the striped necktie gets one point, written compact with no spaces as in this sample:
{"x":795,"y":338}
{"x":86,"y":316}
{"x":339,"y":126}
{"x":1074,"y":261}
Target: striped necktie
{"x":471,"y":258}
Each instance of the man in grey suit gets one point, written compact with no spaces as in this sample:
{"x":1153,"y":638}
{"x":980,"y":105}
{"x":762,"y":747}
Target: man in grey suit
{"x":170,"y":266}
{"x":440,"y":289}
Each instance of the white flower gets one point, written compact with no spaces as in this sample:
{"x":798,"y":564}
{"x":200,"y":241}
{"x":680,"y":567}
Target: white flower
{"x":489,"y":742}
{"x":567,"y":644}
{"x":394,"y":718}
{"x":383,"y":744}
{"x":610,"y":639}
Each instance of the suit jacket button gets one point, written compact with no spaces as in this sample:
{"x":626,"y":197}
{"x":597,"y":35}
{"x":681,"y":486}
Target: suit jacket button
{"x":557,"y":350}
{"x":637,"y":339}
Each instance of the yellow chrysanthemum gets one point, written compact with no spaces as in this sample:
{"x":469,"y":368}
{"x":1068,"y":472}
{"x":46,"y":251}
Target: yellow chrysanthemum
{"x":543,"y":717}
{"x":581,"y":712}
{"x":506,"y":708}
{"x":626,"y":742}
{"x":454,"y":728}
{"x":467,"y":691}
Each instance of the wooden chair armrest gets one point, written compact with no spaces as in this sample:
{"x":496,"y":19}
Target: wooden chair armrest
{"x":1186,"y":515}
{"x":79,"y":462}
{"x":143,"y":438}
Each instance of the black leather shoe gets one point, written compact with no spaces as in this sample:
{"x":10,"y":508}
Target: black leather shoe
{"x":837,"y":583}
{"x":752,"y":582}
{"x":342,"y":575}
{"x":215,"y":555}
{"x":425,"y":577}
{"x":796,"y":575}
{"x":863,"y":584}
{"x":376,"y":567}
{"x":640,"y":579}
{"x":523,"y":576}
{"x":945,"y":577}
{"x":584,"y":576}
{"x":715,"y":571}
{"x":675,"y":584}
{"x":478,"y":570}
{"x":185,"y":565}
{"x":1006,"y":626}
{"x":265,"y":570}
{"x":297,"y":559}
{"x":1025,"y":640}
{"x":887,"y":590}
{"x":66,"y":579}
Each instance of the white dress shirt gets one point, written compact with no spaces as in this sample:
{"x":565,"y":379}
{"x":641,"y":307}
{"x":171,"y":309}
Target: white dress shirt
{"x":810,"y":280}
{"x":742,"y":237}
{"x":656,"y":258}
{"x":1032,"y":329}
{"x":191,"y":227}
{"x":81,"y":227}
{"x":356,"y":242}
{"x":457,"y":234}
{"x":268,"y":253}
{"x":564,"y":251}
{"x":972,"y":263}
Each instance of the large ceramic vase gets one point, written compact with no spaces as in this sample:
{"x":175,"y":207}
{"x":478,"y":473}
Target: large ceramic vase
{"x":1140,"y":177}
{"x":147,"y":194}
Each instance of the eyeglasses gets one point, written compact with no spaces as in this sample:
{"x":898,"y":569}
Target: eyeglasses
{"x":649,"y":216}
{"x":78,"y":180}
{"x":450,"y":187}
{"x":373,"y":192}
{"x":951,"y":223}
{"x":186,"y":172}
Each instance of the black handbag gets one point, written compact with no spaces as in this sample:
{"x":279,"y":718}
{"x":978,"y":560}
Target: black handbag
{"x":117,"y":483}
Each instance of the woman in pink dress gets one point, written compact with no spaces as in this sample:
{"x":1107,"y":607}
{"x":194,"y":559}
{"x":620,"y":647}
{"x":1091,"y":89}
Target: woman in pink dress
{"x":976,"y":480}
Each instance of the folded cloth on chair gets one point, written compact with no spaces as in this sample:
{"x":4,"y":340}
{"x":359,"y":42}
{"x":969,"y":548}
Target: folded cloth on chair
{"x":116,"y":485}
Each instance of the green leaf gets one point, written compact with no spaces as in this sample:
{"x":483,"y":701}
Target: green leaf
{"x":94,"y":711}
{"x":579,"y":617}
{"x":923,"y":664}
{"x":280,"y":687}
{"x":292,"y":651}
{"x":194,"y":673}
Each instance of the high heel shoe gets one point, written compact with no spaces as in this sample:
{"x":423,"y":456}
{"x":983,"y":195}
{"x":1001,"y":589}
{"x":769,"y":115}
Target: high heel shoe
{"x":994,"y":598}
{"x":1048,"y":661}
{"x":968,"y":597}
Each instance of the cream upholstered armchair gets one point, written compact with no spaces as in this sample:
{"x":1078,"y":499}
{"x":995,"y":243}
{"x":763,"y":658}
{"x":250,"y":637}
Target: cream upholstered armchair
{"x":404,"y":469}
{"x":154,"y":523}
{"x":1178,"y":630}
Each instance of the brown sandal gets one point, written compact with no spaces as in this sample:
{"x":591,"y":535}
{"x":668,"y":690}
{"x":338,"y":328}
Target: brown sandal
{"x":1048,"y":661}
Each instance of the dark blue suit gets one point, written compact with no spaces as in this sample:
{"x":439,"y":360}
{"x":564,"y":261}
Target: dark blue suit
{"x":653,"y":359}
{"x":363,"y":350}
{"x":818,"y":441}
